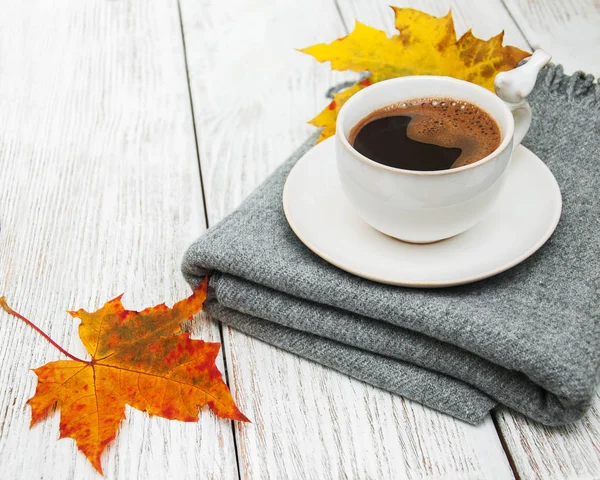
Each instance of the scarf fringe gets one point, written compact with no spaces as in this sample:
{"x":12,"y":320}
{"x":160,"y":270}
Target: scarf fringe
{"x":579,"y":88}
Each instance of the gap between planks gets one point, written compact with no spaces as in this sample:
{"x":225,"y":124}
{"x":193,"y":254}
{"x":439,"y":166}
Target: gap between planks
{"x":220,"y":325}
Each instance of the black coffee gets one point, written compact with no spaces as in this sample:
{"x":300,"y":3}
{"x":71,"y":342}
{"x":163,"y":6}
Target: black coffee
{"x":426,"y":134}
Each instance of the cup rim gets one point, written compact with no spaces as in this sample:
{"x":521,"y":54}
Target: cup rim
{"x":508,"y":136}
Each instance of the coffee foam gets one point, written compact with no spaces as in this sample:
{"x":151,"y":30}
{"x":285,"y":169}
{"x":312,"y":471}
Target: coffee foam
{"x":444,"y":122}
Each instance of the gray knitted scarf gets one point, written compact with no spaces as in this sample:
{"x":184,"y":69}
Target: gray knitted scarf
{"x":527,"y":338}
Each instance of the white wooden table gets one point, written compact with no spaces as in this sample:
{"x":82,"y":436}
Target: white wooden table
{"x":129,"y":126}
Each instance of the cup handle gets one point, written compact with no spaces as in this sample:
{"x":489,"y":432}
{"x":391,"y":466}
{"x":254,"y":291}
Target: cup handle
{"x":514,"y":86}
{"x":522,"y":114}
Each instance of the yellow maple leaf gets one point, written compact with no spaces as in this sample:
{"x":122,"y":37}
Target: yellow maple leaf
{"x":328,"y":116}
{"x":425,"y":45}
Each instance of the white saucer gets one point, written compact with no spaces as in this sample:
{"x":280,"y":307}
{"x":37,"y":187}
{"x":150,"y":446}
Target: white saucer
{"x":523,"y":218}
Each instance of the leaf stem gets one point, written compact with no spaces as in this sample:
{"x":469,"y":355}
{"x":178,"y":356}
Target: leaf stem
{"x":6,"y":308}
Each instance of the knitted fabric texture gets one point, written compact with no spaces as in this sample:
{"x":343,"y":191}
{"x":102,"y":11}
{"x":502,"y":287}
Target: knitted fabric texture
{"x":527,"y":338}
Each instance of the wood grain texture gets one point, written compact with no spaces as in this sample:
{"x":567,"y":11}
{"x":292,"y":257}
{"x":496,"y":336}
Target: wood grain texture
{"x":312,"y":422}
{"x":252,"y":94}
{"x":569,"y":30}
{"x":484,"y":18}
{"x":100,"y":195}
{"x":568,"y":452}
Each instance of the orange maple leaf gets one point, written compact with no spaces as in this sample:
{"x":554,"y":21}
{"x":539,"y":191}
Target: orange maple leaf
{"x":425,"y":45}
{"x":139,"y":359}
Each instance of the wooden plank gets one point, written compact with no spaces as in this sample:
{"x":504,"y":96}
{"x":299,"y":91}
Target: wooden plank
{"x":100,"y":195}
{"x":568,"y":452}
{"x":252,"y":94}
{"x":312,"y":422}
{"x":569,"y":30}
{"x":536,"y":451}
{"x":484,"y":18}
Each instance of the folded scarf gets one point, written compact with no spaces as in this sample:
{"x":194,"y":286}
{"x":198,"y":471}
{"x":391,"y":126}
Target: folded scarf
{"x":527,"y":338}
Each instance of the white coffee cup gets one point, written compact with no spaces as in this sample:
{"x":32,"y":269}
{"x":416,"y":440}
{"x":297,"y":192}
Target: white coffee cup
{"x":427,"y":206}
